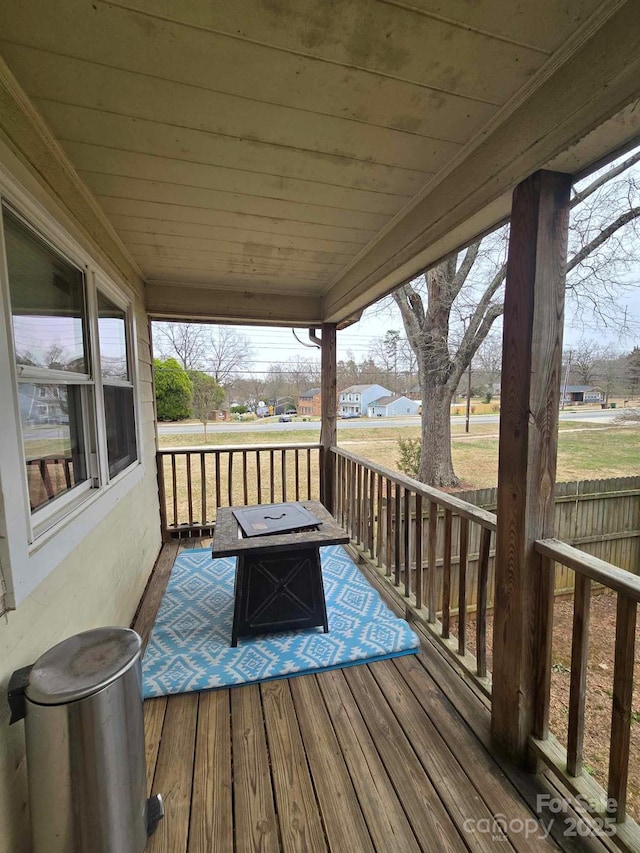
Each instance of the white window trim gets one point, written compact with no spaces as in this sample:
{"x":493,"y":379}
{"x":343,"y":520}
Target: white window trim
{"x":27,"y":560}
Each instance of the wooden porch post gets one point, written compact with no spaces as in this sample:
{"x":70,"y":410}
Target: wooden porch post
{"x":530,"y":396}
{"x":328,"y":419}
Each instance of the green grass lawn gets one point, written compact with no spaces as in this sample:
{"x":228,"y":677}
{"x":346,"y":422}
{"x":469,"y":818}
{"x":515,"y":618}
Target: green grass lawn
{"x":586,"y":451}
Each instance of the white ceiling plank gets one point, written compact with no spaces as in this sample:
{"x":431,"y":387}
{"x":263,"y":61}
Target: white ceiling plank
{"x":80,"y":124}
{"x":136,"y":240}
{"x":94,"y":158}
{"x":177,"y":194}
{"x":233,"y":221}
{"x":221,"y":260}
{"x":422,"y":52}
{"x":364,"y":34}
{"x":231,"y":238}
{"x":240,"y":280}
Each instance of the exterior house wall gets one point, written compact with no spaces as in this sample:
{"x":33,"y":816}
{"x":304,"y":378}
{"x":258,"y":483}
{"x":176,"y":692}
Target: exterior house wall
{"x":100,"y":581}
{"x":401,"y":406}
{"x":310,"y":406}
{"x":358,"y":401}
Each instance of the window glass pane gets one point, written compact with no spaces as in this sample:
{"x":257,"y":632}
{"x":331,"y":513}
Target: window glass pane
{"x":121,"y":431}
{"x":47,"y":302}
{"x":113,"y":339}
{"x":53,"y":438}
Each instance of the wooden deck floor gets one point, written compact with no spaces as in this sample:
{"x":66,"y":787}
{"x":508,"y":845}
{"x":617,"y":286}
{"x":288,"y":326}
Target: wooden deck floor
{"x":391,"y":756}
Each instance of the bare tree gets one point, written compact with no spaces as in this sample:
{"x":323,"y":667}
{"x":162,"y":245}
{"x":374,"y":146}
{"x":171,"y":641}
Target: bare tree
{"x":449,"y":311}
{"x":188,"y":342}
{"x":228,"y":353}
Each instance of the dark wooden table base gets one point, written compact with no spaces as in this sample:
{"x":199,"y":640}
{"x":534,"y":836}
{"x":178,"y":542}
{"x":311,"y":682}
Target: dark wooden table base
{"x":278,"y":592}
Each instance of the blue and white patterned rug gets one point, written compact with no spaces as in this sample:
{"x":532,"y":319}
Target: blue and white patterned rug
{"x":190,"y":647}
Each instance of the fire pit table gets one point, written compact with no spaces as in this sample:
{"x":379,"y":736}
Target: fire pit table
{"x":278,"y":584}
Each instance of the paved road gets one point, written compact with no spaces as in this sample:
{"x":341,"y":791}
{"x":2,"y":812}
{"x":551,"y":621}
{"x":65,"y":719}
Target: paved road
{"x":588,"y":416}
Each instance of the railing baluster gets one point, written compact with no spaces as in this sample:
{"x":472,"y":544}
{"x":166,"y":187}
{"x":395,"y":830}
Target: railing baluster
{"x":579,"y":656}
{"x":396,"y":539}
{"x":174,"y":485}
{"x":218,"y":482}
{"x":230,"y":478}
{"x":431,"y":561}
{"x":245,"y":485}
{"x":203,"y":489}
{"x":189,"y":489}
{"x":379,"y":523}
{"x":462,"y":585}
{"x":272,"y":476}
{"x":259,"y":475}
{"x":371,"y":514}
{"x":407,"y":543}
{"x":296,"y":457}
{"x":621,"y":710}
{"x":283,"y":474}
{"x":389,"y":537}
{"x":309,"y":474}
{"x":162,"y":494}
{"x":358,"y":504}
{"x":446,"y":576}
{"x":418,"y":550}
{"x":481,"y":613}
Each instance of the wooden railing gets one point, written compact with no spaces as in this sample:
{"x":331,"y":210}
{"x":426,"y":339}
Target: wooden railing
{"x":422,"y":542}
{"x":194,"y":481}
{"x":567,"y":761}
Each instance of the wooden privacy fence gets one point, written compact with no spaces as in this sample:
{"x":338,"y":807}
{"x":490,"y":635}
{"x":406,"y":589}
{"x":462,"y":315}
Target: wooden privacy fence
{"x":601,"y":517}
{"x":194,"y":481}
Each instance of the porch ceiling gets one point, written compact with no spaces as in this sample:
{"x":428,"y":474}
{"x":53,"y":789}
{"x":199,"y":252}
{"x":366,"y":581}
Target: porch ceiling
{"x":291,"y":161}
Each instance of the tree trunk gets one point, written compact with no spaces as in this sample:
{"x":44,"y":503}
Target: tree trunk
{"x":436,"y":464}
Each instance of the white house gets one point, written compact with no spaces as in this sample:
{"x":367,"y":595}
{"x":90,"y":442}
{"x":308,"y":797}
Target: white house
{"x":356,"y":398}
{"x":392,"y":406}
{"x":583,"y":394}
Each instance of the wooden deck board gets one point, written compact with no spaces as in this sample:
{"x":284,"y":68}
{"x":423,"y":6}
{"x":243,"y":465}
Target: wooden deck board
{"x":211,"y":819}
{"x":300,"y":824}
{"x":253,"y":808}
{"x":393,"y":756}
{"x":370,"y":779}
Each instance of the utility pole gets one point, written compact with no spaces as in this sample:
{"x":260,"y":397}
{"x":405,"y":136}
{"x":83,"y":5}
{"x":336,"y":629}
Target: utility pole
{"x":466,"y":426}
{"x":566,"y":378}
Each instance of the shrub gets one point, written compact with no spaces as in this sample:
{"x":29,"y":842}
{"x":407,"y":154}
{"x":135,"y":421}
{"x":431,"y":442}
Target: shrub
{"x":174,"y":390}
{"x":409,"y":459}
{"x":488,"y":397}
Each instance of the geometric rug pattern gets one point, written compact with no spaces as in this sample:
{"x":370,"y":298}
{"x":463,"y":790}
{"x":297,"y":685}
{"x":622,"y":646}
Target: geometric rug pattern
{"x":190,"y":649}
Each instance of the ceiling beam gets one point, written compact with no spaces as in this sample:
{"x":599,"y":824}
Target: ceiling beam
{"x":190,"y":302}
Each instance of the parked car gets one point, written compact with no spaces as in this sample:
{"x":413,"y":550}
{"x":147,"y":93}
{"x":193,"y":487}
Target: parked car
{"x":285,"y":419}
{"x":291,"y":412}
{"x":347,"y":415}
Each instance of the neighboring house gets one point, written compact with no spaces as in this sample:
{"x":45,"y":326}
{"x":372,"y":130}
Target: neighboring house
{"x":356,"y":398}
{"x":583,"y":394}
{"x":310,"y":403}
{"x":414,"y":392}
{"x":41,"y":404}
{"x":391,"y":406}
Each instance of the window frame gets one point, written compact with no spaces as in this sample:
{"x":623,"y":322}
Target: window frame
{"x":32,"y":544}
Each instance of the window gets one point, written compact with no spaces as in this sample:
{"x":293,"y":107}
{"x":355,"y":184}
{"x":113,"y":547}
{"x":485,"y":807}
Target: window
{"x":73,"y":371}
{"x":117,"y":386}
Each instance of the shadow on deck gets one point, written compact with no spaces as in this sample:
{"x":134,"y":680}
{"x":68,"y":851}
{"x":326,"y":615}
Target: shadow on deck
{"x":391,"y":756}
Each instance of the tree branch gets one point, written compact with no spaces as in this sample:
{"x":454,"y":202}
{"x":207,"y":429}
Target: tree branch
{"x":604,"y":179}
{"x":602,"y":237}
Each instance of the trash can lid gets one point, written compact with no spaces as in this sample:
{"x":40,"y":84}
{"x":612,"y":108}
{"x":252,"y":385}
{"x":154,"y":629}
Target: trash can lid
{"x":82,"y":665}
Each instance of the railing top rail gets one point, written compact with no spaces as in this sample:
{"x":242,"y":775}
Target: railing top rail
{"x":466,"y":510}
{"x":593,"y":567}
{"x":225,"y":448}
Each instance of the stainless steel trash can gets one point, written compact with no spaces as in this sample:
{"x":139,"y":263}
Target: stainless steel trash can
{"x":84,"y":726}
